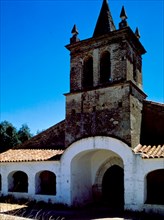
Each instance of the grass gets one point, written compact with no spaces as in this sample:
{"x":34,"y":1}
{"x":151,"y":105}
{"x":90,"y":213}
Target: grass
{"x":12,"y":208}
{"x":24,"y":210}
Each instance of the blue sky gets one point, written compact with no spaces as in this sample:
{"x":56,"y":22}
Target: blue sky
{"x":35,"y":63}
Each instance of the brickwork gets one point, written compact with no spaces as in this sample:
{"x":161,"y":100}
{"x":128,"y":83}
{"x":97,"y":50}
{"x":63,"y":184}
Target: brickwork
{"x":112,"y":111}
{"x":109,"y":107}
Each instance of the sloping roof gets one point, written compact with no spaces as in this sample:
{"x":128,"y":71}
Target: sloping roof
{"x":105,"y":22}
{"x":52,"y":138}
{"x":148,"y":151}
{"x":22,"y":155}
{"x":152,"y":127}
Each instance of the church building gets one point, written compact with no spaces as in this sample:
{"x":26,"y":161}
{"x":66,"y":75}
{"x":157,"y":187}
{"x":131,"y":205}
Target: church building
{"x":110,"y":147}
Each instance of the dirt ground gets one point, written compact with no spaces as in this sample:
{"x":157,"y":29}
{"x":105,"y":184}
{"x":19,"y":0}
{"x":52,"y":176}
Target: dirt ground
{"x":23,"y":212}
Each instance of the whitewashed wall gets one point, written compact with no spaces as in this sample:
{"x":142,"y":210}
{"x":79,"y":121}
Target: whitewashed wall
{"x":31,"y":169}
{"x":82,"y":166}
{"x":143,"y":167}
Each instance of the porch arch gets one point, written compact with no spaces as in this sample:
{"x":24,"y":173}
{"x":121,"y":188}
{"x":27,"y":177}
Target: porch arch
{"x":98,"y":142}
{"x":86,"y":150}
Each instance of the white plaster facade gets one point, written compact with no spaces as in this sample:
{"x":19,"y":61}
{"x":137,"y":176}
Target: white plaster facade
{"x":80,"y":171}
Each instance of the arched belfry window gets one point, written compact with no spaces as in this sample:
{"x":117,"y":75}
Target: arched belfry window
{"x":105,"y":68}
{"x":155,"y":187}
{"x":88,"y":73}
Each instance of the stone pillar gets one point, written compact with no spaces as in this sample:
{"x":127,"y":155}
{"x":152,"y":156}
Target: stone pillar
{"x":96,"y":67}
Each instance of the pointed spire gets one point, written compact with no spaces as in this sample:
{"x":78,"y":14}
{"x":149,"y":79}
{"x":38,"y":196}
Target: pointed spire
{"x":105,"y":22}
{"x":137,"y":33}
{"x":74,"y":32}
{"x":123,"y":17}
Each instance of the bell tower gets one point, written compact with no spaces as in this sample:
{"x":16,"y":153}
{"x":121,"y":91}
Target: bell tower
{"x":106,"y":94}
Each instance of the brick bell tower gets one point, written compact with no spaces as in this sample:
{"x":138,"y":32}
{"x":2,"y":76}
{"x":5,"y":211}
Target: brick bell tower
{"x":106,"y":94}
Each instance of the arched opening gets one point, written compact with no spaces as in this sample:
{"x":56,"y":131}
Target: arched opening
{"x":105,"y":68}
{"x":113,"y":187}
{"x":18,"y":182}
{"x":88,"y":73}
{"x":89,"y":159}
{"x":46,"y":183}
{"x":87,"y":171}
{"x":155,"y":187}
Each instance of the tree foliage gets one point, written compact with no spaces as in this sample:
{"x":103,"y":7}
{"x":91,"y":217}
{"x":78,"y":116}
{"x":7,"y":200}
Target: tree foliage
{"x":10,"y":136}
{"x":24,"y":133}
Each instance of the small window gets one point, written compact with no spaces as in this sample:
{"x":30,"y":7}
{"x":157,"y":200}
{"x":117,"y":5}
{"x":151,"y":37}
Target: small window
{"x":105,"y":68}
{"x":88,"y":73}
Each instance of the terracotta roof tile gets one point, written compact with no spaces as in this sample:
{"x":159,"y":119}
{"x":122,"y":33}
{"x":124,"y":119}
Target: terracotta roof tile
{"x":148,"y":151}
{"x":20,"y":155}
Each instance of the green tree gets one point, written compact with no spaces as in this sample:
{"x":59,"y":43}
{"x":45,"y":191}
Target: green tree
{"x":24,"y":133}
{"x":10,"y":137}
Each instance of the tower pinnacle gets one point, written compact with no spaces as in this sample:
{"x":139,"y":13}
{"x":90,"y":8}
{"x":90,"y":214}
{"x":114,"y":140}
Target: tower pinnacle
{"x":74,"y":32}
{"x":123,"y":17}
{"x":137,"y":33}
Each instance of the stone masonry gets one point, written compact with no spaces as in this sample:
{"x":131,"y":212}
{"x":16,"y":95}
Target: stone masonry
{"x":112,"y":108}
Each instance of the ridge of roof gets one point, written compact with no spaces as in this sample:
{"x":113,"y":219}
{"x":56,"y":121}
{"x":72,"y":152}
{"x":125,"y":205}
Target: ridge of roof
{"x":154,"y":103}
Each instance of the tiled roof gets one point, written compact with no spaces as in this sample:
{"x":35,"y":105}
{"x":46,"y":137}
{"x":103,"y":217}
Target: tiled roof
{"x":148,"y":151}
{"x":20,"y":155}
{"x":23,"y":155}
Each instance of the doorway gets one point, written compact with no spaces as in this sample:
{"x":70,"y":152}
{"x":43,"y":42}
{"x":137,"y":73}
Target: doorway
{"x":113,"y":187}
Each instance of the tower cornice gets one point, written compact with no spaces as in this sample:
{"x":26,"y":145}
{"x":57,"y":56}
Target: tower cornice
{"x":111,"y":37}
